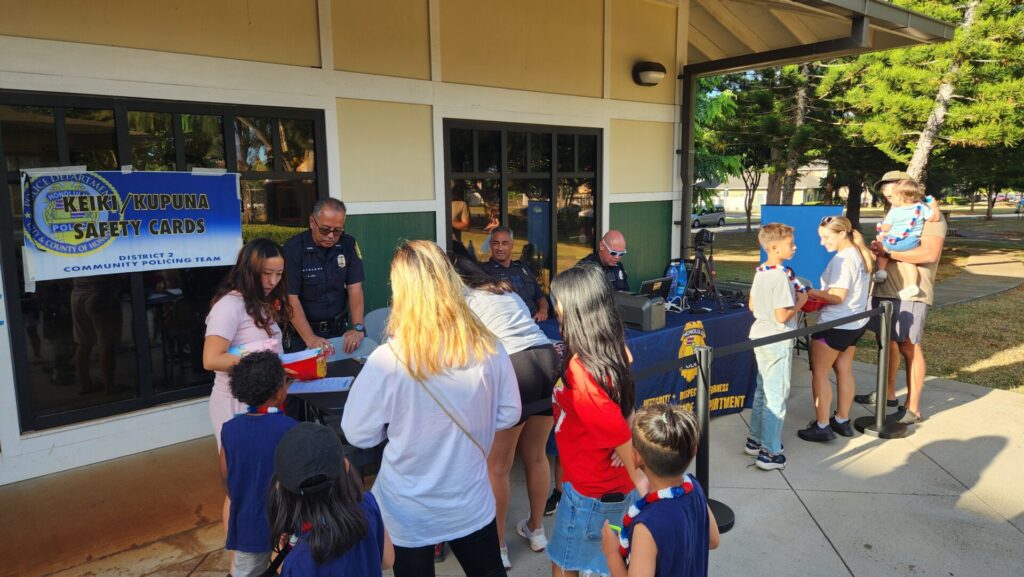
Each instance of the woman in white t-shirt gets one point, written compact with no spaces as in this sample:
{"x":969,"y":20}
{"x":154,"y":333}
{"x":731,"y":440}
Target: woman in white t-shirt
{"x":438,"y":391}
{"x":844,"y":287}
{"x":537,"y":367}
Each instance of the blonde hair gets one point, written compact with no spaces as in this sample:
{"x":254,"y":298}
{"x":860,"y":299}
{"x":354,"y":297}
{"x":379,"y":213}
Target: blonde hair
{"x":430,"y":320}
{"x":841,"y":224}
{"x":773,"y":232}
{"x":908,"y":190}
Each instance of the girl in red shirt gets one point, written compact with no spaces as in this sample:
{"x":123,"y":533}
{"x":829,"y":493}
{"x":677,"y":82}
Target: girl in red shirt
{"x":592,"y":403}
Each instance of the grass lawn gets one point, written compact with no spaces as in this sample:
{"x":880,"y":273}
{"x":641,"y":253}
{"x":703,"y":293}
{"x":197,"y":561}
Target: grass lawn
{"x":981,"y":342}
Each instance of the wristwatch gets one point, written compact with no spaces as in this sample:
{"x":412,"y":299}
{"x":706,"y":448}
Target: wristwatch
{"x":360,"y":327}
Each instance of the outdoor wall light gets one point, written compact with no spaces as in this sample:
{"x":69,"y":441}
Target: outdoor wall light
{"x":648,"y":73}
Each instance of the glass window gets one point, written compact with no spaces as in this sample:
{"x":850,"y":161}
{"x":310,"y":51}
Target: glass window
{"x":298,"y":152}
{"x":254,"y":144}
{"x":483,"y":201}
{"x":516,"y":152}
{"x":152,"y":140}
{"x":489,"y":150}
{"x":587,"y":153}
{"x":529,"y":217}
{"x":204,"y":141}
{"x":29,"y":139}
{"x":14,"y":189}
{"x":92,"y":140}
{"x":461,"y":145}
{"x":566,"y":153}
{"x":540,"y":152}
{"x":577,"y":226}
{"x":177,"y":302}
{"x":254,"y":201}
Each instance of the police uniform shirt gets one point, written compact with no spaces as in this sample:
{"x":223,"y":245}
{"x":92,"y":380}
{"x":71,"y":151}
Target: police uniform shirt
{"x":523,"y":281}
{"x":320,"y":276}
{"x":616,"y":275}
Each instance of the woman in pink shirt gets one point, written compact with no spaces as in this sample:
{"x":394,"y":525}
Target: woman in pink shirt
{"x":245,"y":315}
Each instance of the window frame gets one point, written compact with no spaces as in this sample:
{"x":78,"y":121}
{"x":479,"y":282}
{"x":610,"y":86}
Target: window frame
{"x":503,"y":176}
{"x":147,"y":396}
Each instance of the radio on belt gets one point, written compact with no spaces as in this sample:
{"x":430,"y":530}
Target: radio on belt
{"x":643,"y":312}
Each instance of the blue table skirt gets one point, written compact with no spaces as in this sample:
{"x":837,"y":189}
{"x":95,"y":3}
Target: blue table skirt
{"x":733,"y":378}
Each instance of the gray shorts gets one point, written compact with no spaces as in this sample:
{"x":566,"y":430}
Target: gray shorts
{"x":250,"y":564}
{"x":907,"y":320}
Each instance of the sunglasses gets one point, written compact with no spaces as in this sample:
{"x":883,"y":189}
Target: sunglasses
{"x":826,"y":220}
{"x":326,"y":230}
{"x":617,"y":253}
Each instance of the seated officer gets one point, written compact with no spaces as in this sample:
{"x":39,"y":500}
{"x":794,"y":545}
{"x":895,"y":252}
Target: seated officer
{"x":609,"y":255}
{"x":523,"y":281}
{"x":325,"y":280}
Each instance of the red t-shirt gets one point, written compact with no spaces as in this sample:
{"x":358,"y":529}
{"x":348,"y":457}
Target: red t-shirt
{"x":588,"y":427}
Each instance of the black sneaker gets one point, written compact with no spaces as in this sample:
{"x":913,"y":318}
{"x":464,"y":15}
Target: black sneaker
{"x":769,"y":462}
{"x":869,"y":399}
{"x":753,"y":448}
{"x":816,"y":434}
{"x":552,"y":505}
{"x":843,"y":429}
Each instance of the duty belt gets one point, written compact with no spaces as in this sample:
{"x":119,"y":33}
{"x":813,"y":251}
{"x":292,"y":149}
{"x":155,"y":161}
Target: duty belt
{"x":334,"y":325}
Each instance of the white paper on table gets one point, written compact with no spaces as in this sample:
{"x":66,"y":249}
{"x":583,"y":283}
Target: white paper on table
{"x":326,"y":385}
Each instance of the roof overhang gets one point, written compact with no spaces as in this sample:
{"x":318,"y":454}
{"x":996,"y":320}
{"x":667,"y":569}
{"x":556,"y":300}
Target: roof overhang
{"x":734,"y":35}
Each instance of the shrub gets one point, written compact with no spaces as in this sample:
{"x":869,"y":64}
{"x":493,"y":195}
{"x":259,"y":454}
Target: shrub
{"x":278,"y":234}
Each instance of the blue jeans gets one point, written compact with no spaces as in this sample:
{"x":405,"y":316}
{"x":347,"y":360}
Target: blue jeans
{"x":576,"y":540}
{"x":774,"y":365}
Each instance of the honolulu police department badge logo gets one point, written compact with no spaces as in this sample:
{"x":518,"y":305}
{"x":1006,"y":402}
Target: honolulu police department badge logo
{"x":693,"y":336}
{"x":341,"y":261}
{"x":58,"y":207}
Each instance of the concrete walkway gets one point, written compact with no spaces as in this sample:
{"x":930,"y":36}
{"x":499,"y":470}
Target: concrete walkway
{"x":945,"y":501}
{"x":985,"y":275}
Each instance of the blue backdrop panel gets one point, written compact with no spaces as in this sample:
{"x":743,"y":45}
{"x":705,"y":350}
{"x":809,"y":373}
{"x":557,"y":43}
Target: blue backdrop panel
{"x":811,"y":258}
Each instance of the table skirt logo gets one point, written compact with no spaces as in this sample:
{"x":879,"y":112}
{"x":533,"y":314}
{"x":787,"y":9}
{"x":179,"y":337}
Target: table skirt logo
{"x":693,"y":336}
{"x":59,"y":207}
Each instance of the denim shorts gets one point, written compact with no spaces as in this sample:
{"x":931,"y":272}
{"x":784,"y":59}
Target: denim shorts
{"x":575,"y":544}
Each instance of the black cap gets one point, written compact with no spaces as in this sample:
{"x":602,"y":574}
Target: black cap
{"x":309,"y":459}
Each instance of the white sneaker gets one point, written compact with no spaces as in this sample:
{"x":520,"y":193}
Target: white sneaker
{"x":908,"y":292}
{"x":504,"y":558}
{"x":538,"y":541}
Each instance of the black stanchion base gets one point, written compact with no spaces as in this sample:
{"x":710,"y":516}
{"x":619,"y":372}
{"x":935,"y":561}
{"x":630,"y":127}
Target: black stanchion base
{"x":723,"y":515}
{"x":867,"y":426}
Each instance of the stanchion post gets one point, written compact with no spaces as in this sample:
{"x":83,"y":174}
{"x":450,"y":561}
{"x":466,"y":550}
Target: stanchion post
{"x":723,"y":514}
{"x":876,"y":426}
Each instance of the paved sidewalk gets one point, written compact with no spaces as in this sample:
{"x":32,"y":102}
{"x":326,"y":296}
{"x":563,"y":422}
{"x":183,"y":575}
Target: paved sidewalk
{"x":945,"y":501}
{"x":986,"y":274}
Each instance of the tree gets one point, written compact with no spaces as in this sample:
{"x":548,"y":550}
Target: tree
{"x":915,"y":103}
{"x":712,"y":161}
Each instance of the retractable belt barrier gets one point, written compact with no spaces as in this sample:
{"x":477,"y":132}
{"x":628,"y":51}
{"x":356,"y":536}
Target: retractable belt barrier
{"x":874,"y":426}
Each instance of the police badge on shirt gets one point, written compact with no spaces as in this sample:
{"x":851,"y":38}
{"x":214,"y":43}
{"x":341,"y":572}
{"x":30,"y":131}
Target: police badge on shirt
{"x":341,"y":261}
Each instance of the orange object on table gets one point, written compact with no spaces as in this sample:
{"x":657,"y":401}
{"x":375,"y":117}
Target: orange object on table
{"x":306,"y":365}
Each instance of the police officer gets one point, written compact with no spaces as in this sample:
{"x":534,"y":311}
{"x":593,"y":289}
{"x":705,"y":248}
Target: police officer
{"x":325,"y":281}
{"x":523,"y":281}
{"x":609,"y":255}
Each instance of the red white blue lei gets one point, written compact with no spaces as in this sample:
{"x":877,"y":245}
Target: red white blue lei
{"x":798,"y":286}
{"x":640,"y":505}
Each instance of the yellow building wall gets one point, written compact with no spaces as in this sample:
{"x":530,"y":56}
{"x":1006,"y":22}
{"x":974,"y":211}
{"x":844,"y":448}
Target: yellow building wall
{"x":641,"y":156}
{"x":642,"y":30}
{"x":386,"y":151}
{"x":540,"y":45}
{"x":257,"y":30}
{"x":389,"y":37}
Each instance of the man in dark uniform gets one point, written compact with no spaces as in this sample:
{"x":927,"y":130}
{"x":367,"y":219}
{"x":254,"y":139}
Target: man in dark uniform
{"x":523,"y":281}
{"x":609,"y":255}
{"x":325,"y":281}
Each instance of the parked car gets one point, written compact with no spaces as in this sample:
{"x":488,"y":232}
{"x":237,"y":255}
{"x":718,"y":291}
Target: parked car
{"x":709,"y":217}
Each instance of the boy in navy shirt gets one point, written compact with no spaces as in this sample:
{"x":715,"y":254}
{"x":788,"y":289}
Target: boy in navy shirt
{"x":247,"y":459}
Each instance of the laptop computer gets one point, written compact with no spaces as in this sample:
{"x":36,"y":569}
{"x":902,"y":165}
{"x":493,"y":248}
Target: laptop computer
{"x":656,"y":287}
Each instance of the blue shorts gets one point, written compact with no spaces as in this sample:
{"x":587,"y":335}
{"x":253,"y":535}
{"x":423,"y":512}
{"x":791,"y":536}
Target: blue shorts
{"x":551,"y":448}
{"x":575,"y":543}
{"x":901,"y":244}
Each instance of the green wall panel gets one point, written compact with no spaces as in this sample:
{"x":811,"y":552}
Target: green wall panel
{"x":378,"y":236}
{"x":647,"y":227}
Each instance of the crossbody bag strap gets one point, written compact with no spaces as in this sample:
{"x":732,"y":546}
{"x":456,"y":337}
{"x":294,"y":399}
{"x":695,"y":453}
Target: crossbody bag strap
{"x":461,"y":427}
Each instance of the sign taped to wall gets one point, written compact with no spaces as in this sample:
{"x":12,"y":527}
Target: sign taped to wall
{"x":93,"y":223}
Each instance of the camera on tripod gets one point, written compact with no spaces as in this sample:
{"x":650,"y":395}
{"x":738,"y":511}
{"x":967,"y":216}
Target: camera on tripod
{"x":703,"y":238}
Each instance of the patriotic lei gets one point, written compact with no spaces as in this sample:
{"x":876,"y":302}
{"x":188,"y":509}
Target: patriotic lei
{"x":640,"y":505}
{"x":798,"y":286}
{"x":263,"y":410}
